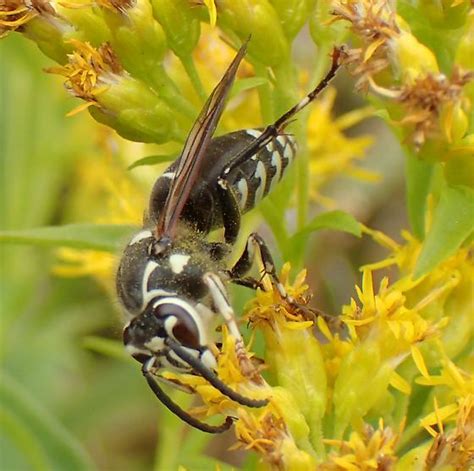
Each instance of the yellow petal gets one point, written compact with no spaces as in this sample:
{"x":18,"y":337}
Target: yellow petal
{"x":400,"y":384}
{"x":211,"y":7}
{"x":419,"y":361}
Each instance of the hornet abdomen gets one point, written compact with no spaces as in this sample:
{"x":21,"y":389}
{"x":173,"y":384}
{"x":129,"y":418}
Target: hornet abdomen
{"x":250,"y":181}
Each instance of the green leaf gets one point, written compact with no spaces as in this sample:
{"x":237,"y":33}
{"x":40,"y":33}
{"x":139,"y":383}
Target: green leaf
{"x":336,"y":220}
{"x":453,"y":223}
{"x":153,"y":160}
{"x":29,"y":428}
{"x":418,"y":177}
{"x":107,"y":347}
{"x":79,"y":236}
{"x":247,"y":84}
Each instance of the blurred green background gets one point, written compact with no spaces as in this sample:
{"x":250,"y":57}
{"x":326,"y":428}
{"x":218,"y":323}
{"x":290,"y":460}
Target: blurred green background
{"x":63,"y":405}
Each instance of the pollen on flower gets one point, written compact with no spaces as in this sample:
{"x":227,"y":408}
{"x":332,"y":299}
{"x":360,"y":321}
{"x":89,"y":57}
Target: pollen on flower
{"x":375,"y":23}
{"x":425,"y":98}
{"x":89,"y":70}
{"x":368,"y":449}
{"x":268,"y":307}
{"x":459,"y":385}
{"x":454,"y":449}
{"x":263,"y":433}
{"x":16,"y":13}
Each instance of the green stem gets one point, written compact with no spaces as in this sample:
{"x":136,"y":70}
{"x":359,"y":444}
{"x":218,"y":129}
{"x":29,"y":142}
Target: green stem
{"x":166,"y":89}
{"x":190,"y":68}
{"x":264,"y":95}
{"x":169,"y":446}
{"x":286,"y":92}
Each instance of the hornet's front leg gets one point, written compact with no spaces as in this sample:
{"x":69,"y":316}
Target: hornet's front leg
{"x":223,"y":307}
{"x":255,"y":244}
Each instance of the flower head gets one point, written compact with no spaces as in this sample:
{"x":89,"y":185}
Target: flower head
{"x":14,"y":14}
{"x":369,"y":448}
{"x":430,"y":106}
{"x":90,"y":71}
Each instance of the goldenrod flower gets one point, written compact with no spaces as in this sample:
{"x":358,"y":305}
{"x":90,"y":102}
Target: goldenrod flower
{"x":144,"y":67}
{"x":368,"y":449}
{"x":273,"y":431}
{"x":16,"y":13}
{"x":374,"y":22}
{"x":39,"y":21}
{"x":259,"y":19}
{"x":454,"y":449}
{"x":430,"y":98}
{"x":116,"y":98}
{"x":433,"y":105}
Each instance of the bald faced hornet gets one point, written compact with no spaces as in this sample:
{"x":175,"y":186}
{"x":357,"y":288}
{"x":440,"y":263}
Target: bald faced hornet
{"x":171,"y":279}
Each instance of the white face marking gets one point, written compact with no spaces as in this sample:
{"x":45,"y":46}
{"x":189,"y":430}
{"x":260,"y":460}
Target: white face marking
{"x":132,"y":350}
{"x":288,"y":153}
{"x":276,"y":162}
{"x":178,"y":261}
{"x":253,"y":133}
{"x":269,"y":147}
{"x":156,"y":344}
{"x":260,"y":173}
{"x":244,"y":192}
{"x":281,"y":140}
{"x":169,"y":175}
{"x":140,"y":236}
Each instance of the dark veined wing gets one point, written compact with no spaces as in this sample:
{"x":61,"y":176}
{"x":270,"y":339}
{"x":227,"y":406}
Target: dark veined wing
{"x":191,"y":158}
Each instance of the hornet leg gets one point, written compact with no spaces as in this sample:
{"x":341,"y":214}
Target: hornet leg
{"x":245,"y":262}
{"x":147,"y":370}
{"x":223,"y":307}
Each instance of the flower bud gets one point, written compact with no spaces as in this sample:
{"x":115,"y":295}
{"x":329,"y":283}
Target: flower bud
{"x":87,"y":20}
{"x":120,"y":101}
{"x":181,"y":26}
{"x":323,"y":30}
{"x":293,"y":14}
{"x":258,"y":19}
{"x":137,"y":38}
{"x":413,"y":59}
{"x":454,"y":121}
{"x":39,"y":21}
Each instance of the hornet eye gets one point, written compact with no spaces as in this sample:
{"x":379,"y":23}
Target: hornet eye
{"x":179,"y":323}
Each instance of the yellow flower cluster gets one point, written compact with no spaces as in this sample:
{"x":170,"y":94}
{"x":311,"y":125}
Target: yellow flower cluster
{"x":340,"y":385}
{"x":432,"y":105}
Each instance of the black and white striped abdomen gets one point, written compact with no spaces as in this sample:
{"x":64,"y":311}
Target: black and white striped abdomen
{"x":250,"y":181}
{"x":256,"y":177}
